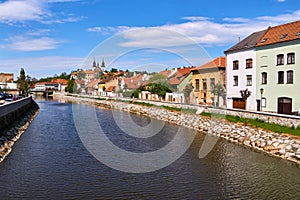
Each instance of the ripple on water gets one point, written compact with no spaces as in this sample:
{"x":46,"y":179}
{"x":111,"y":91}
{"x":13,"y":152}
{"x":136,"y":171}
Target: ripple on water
{"x":49,"y":161}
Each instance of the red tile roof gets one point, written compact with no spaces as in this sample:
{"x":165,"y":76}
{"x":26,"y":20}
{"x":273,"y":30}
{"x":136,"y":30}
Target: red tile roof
{"x":93,"y":83}
{"x":134,"y":82}
{"x":60,"y":81}
{"x":110,"y":89}
{"x":166,"y":73}
{"x":281,"y":33}
{"x":219,"y":62}
{"x":180,"y":75}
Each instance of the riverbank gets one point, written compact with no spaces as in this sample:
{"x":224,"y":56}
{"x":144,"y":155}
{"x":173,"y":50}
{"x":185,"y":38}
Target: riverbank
{"x":12,"y":131}
{"x":283,"y":146}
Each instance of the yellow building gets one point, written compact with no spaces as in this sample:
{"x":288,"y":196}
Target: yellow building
{"x":208,"y":83}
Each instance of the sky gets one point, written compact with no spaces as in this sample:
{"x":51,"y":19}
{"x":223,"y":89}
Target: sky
{"x":48,"y":37}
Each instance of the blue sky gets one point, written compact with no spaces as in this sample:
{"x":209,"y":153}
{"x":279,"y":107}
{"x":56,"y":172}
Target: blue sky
{"x":48,"y":37}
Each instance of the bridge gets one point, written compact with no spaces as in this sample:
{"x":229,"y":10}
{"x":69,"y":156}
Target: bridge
{"x":45,"y":93}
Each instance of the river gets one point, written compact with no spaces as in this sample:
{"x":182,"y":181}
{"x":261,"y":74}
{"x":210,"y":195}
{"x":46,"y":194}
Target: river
{"x":51,"y":162}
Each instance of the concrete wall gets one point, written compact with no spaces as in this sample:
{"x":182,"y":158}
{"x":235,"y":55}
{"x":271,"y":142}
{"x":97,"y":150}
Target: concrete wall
{"x":11,"y":112}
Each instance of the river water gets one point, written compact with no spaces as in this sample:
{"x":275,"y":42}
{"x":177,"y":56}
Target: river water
{"x":51,"y":162}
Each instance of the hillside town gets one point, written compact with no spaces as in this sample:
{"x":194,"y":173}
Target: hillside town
{"x":256,"y":74}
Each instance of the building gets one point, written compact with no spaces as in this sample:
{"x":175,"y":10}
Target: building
{"x":178,"y":81}
{"x":6,"y":77}
{"x":278,"y":65}
{"x":241,"y":73}
{"x":62,"y":83}
{"x":206,"y":78}
{"x":46,"y":86}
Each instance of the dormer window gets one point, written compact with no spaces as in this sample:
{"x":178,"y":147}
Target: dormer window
{"x":298,"y":34}
{"x":264,"y":40}
{"x":283,"y":36}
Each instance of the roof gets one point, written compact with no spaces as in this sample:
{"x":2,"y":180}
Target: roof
{"x":93,"y":83}
{"x":89,"y":72}
{"x":219,"y":62}
{"x":247,"y":43}
{"x":166,"y":73}
{"x":180,"y":75}
{"x":46,"y":83}
{"x":80,"y":82}
{"x":110,"y":89}
{"x":60,"y":81}
{"x":281,"y":33}
{"x":134,"y":82}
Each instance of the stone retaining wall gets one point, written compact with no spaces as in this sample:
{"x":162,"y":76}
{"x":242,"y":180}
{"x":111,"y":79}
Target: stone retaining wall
{"x":279,"y":145}
{"x":15,"y":117}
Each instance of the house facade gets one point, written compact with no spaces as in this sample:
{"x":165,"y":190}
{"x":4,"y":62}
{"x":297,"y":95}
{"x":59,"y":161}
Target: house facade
{"x":241,"y":73}
{"x":278,"y":65}
{"x":204,"y":80}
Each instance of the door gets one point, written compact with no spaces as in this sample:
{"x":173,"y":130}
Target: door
{"x":284,"y":105}
{"x":258,"y":105}
{"x":239,"y":103}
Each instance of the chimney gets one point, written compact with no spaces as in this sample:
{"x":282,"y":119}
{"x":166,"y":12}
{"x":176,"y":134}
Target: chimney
{"x":239,"y":39}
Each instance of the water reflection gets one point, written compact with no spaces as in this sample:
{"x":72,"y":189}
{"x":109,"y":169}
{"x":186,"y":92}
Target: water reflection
{"x":49,"y":161}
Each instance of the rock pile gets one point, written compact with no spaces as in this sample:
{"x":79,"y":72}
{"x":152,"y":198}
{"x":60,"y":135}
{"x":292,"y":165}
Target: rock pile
{"x":10,"y":136}
{"x":279,"y":145}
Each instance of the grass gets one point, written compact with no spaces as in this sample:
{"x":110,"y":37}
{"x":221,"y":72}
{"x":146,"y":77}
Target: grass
{"x":142,"y":103}
{"x":277,"y":128}
{"x":185,"y":110}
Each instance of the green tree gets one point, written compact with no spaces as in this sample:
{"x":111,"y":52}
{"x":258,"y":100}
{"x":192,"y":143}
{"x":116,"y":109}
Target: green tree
{"x":23,"y":84}
{"x":71,"y":87}
{"x":218,"y":90}
{"x":81,"y":75}
{"x":187,"y":91}
{"x":160,"y":79}
{"x":154,"y":88}
{"x":114,"y":70}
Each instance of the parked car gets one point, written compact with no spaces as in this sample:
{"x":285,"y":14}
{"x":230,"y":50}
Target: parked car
{"x":8,"y":97}
{"x":2,"y":96}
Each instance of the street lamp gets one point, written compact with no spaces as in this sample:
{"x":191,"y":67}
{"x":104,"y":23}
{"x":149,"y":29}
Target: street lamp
{"x":261,"y":93}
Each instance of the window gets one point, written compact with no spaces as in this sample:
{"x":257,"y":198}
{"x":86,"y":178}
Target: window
{"x":291,"y":58}
{"x":264,"y":40}
{"x":204,"y":84}
{"x":249,"y":63}
{"x":290,"y":77}
{"x":212,"y":83}
{"x":280,"y":77}
{"x":264,"y":78}
{"x":280,"y":59}
{"x":235,"y":80}
{"x":249,"y":80}
{"x":283,"y":36}
{"x":235,"y":65}
{"x":197,"y":85}
{"x":264,"y":61}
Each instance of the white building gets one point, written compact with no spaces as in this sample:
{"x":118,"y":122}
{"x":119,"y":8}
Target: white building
{"x":241,"y":73}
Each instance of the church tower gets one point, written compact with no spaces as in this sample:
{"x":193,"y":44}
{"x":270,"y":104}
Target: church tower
{"x":103,"y":65}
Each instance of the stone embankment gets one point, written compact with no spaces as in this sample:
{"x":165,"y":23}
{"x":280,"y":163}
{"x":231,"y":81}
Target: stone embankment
{"x":15,"y":119}
{"x":280,"y":145}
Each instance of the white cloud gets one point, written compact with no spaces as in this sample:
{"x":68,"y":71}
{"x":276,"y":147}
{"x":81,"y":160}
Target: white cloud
{"x":109,"y":30}
{"x":21,"y":43}
{"x":197,"y":18}
{"x":203,"y":30}
{"x":280,"y":1}
{"x":237,"y":19}
{"x":13,"y":11}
